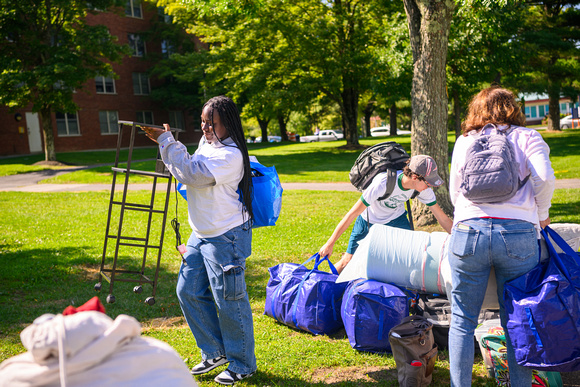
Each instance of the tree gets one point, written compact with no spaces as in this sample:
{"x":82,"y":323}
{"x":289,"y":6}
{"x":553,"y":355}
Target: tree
{"x":49,"y":52}
{"x":329,"y":47}
{"x":483,"y":48}
{"x":429,"y":23}
{"x":551,"y":33}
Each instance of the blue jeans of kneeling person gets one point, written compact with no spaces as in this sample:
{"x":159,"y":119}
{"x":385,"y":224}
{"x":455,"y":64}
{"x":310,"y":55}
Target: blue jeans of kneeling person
{"x":511,"y":247}
{"x":212,"y":293}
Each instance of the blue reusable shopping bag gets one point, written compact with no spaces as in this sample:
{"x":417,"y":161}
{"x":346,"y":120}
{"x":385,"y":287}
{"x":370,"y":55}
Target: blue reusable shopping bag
{"x":543,"y":310}
{"x":306,"y":299}
{"x":369,"y":310}
{"x":267,"y":200}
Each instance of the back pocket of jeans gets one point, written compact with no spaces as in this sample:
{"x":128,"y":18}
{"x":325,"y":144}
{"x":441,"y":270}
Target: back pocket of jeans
{"x":520,"y":244}
{"x":464,"y":240}
{"x":234,"y":283}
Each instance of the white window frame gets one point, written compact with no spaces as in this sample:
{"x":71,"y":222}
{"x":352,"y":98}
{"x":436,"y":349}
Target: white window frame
{"x":133,"y":9}
{"x":68,"y":119}
{"x":137,"y":44}
{"x":167,"y":48}
{"x":104,"y":81}
{"x":112,"y":121}
{"x":140,"y":84}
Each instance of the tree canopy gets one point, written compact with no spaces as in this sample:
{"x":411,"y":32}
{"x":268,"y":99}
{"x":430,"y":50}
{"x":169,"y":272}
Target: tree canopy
{"x":49,"y":52}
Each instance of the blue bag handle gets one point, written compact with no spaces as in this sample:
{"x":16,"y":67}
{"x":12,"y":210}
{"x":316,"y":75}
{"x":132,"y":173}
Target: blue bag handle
{"x":316,"y":264}
{"x":553,"y":254}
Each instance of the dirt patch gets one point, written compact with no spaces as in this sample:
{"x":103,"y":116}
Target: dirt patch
{"x":52,"y":163}
{"x":350,"y":374}
{"x":164,"y":322}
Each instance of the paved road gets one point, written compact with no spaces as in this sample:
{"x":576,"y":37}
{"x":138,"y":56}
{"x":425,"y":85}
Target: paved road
{"x":29,"y":182}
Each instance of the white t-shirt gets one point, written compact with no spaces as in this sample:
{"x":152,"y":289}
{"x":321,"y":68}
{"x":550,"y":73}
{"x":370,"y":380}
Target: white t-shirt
{"x":382,"y":212}
{"x":211,"y":176}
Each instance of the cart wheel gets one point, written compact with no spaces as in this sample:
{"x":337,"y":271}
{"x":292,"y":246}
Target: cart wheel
{"x":150,"y":301}
{"x":138,"y":289}
{"x":98,"y":287}
{"x":110,"y":299}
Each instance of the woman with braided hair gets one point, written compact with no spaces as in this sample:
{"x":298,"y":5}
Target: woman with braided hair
{"x":211,"y":287}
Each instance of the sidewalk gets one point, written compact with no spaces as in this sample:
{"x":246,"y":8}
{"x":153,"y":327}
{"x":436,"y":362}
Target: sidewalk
{"x":29,"y":182}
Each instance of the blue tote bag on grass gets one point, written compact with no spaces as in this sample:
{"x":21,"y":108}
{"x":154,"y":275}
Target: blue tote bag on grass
{"x":306,"y":299}
{"x":267,"y":200}
{"x":543,"y":310}
{"x":370,"y":309}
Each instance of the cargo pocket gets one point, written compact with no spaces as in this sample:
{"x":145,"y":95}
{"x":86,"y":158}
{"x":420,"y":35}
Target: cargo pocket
{"x":234,"y":283}
{"x":464,"y":240}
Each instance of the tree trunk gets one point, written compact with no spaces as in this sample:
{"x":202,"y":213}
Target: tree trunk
{"x":429,"y":22}
{"x":48,"y":134}
{"x":349,"y":108}
{"x":393,"y":120}
{"x":369,"y":109}
{"x":282,"y":125}
{"x":554,"y":106}
{"x":264,"y":128}
{"x":457,"y":111}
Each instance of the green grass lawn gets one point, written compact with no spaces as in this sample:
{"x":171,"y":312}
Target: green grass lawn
{"x":51,"y":247}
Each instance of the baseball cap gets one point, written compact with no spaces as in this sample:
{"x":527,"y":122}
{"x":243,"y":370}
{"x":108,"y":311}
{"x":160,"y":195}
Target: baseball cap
{"x":425,"y":166}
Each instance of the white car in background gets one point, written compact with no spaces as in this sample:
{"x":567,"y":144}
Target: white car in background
{"x":324,"y":135}
{"x":380,"y":131}
{"x":567,"y":122}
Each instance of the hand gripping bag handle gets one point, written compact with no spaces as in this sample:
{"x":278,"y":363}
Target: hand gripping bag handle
{"x":316,"y":264}
{"x":547,"y":231}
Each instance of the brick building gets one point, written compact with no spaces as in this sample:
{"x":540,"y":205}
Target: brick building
{"x":106,"y":100}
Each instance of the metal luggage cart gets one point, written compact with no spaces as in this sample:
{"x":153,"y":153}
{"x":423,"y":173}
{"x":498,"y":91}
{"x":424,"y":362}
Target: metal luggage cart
{"x":112,"y":273}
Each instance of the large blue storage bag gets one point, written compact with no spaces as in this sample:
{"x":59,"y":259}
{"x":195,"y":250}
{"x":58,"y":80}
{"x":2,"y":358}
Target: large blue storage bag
{"x":306,"y":299}
{"x":369,"y":310}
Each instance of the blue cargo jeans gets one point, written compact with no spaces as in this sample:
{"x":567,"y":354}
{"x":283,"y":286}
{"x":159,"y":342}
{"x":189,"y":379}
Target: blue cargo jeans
{"x":211,"y":290}
{"x":511,"y":247}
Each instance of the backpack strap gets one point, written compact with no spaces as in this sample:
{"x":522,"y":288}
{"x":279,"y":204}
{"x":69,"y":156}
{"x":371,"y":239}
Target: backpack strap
{"x":391,"y":181}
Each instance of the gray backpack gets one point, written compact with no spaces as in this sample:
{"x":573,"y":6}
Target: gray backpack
{"x":490,"y":173}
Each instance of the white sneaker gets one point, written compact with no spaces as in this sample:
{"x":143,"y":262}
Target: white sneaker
{"x":228,"y":377}
{"x":208,"y":365}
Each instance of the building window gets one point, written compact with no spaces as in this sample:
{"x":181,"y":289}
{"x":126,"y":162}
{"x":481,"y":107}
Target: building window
{"x":176,"y":119}
{"x":167,"y":48}
{"x":109,"y":122}
{"x":105,"y":85}
{"x":541,"y":113}
{"x":527,"y":109}
{"x":547,"y":109}
{"x":166,"y":18}
{"x":145,"y":117}
{"x":533,"y":112}
{"x":67,"y":124}
{"x":133,"y":8}
{"x":140,"y":84}
{"x":137,"y":44}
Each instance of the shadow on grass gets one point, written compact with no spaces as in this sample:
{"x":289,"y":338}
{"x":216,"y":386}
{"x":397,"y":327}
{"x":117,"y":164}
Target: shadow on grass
{"x":38,"y":281}
{"x":564,"y":210}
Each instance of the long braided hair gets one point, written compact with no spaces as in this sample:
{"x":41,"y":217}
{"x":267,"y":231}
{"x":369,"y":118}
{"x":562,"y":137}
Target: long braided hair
{"x":230,"y":116}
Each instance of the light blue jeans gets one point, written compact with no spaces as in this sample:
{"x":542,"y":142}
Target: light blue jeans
{"x":511,"y":247}
{"x":212,"y":293}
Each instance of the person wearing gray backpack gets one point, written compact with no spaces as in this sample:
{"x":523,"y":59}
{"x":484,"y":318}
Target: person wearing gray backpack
{"x":501,"y":184}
